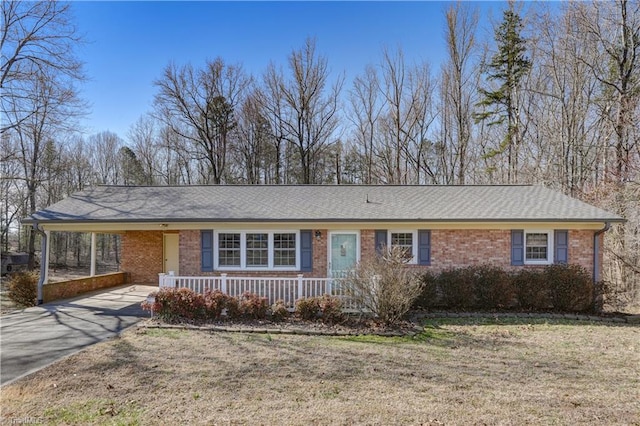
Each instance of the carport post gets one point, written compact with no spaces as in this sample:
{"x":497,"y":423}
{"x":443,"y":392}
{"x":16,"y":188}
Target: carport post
{"x":93,"y":254}
{"x":46,"y":257}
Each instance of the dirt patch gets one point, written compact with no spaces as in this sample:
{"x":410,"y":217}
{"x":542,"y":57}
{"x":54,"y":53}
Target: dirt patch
{"x":454,"y":372}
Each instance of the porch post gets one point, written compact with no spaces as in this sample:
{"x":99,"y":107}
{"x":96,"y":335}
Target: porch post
{"x":223,"y":283}
{"x":93,"y":254}
{"x":46,"y":256}
{"x":300,"y":287}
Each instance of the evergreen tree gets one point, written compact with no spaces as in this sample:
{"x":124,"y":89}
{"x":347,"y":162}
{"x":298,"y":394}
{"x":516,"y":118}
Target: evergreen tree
{"x":507,"y":67}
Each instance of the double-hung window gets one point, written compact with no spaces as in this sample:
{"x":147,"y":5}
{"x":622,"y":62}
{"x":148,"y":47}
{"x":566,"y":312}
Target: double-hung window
{"x":256,"y":250}
{"x":228,"y":249}
{"x":284,"y":249}
{"x":538,"y":247}
{"x":406,"y":241}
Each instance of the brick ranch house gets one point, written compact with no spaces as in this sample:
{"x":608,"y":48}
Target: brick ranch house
{"x":288,"y":241}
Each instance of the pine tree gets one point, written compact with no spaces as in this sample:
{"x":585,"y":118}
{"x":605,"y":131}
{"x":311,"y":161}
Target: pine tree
{"x":507,"y":67}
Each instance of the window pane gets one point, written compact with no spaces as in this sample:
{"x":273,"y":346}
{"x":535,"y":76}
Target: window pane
{"x":284,"y":249}
{"x":537,"y":246}
{"x":257,"y":249}
{"x":229,"y":249}
{"x":403,"y":240}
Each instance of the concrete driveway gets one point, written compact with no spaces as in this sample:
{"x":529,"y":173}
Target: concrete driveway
{"x":36,"y":337}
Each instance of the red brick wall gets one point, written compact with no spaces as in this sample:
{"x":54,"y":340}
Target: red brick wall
{"x":319,"y":254}
{"x":581,"y":248}
{"x":142,"y":253}
{"x":367,"y":243}
{"x":190,"y":254}
{"x":72,"y":288}
{"x":459,"y":248}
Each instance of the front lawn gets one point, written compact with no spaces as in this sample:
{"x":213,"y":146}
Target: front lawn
{"x":455,"y":372}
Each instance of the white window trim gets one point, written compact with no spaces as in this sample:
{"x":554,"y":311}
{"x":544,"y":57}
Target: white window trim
{"x":414,"y":248}
{"x":243,"y":250}
{"x":550,"y":246}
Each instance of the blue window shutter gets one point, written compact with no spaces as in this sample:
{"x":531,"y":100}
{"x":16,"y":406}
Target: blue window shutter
{"x":381,"y":240}
{"x":561,"y":242}
{"x":517,"y":247}
{"x":306,"y":250}
{"x":424,"y":247}
{"x":206,"y":250}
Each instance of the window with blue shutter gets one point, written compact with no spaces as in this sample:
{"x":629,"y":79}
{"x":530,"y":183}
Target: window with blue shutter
{"x":517,"y":247}
{"x":381,"y":240}
{"x":206,"y":250}
{"x":306,"y":250}
{"x":561,"y":242}
{"x":424,"y":247}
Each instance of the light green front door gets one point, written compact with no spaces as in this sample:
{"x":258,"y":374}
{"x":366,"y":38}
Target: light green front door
{"x":344,"y":253}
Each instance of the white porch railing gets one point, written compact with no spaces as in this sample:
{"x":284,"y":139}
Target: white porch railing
{"x":288,"y":289}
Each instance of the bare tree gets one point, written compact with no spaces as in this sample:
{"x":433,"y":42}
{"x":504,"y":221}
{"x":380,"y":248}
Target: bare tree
{"x":255,"y":152}
{"x":39,"y":101}
{"x":366,"y":107}
{"x":143,"y":136}
{"x":404,"y":124}
{"x":458,"y":89}
{"x":104,"y":160}
{"x":615,"y":28}
{"x":36,"y":39}
{"x":200,"y":106}
{"x":310,"y":116}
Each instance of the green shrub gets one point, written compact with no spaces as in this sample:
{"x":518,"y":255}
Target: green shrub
{"x":493,"y":287}
{"x":253,"y":306}
{"x":571,"y":288}
{"x":429,"y":297}
{"x":23,"y":288}
{"x":279,"y":311}
{"x":458,"y":288}
{"x":330,"y":308}
{"x":532,"y":289}
{"x":307,"y":309}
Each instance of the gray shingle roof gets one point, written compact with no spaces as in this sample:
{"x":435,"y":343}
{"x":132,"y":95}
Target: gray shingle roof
{"x":319,"y":203}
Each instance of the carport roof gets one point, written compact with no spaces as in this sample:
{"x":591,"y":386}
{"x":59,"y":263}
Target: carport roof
{"x":315,"y":203}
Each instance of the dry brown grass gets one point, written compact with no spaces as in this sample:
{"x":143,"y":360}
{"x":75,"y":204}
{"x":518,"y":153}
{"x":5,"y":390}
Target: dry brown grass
{"x":454,"y":373}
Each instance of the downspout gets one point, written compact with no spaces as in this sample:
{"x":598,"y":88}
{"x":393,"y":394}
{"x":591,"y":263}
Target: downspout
{"x":596,"y":251}
{"x":43,"y":261}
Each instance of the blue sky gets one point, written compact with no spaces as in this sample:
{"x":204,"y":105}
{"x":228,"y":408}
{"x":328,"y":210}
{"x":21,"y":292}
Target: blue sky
{"x":130,"y":43}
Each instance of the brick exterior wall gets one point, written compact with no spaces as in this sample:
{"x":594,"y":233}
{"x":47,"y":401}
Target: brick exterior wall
{"x":581,"y":249}
{"x":190,"y":255}
{"x":367,"y":243}
{"x":142,"y":252}
{"x":72,"y":288}
{"x":320,"y":260}
{"x":459,"y":248}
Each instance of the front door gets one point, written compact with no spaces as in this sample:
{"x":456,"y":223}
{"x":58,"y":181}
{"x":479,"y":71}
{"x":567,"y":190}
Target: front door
{"x":171,"y":248}
{"x":343,"y":253}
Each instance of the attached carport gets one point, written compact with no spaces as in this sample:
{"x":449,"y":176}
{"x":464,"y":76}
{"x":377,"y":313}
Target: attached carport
{"x":36,"y":337}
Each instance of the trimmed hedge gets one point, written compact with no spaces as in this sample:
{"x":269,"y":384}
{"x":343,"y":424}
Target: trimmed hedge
{"x":176,"y":304}
{"x":564,"y":288}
